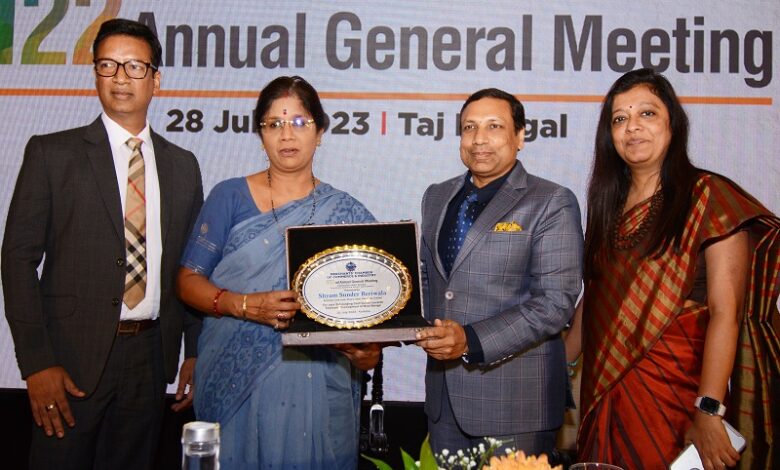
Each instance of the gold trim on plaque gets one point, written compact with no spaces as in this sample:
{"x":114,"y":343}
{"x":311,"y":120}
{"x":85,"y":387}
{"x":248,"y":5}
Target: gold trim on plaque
{"x":378,"y":257}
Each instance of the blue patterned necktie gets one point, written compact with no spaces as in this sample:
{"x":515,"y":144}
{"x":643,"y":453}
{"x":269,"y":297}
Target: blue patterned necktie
{"x":465,"y":218}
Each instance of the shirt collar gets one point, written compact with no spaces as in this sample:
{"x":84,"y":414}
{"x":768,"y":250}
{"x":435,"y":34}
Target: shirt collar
{"x":118,"y":135}
{"x":486,"y":193}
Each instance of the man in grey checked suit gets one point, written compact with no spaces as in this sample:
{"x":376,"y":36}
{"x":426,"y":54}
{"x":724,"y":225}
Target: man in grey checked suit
{"x":496,"y":364}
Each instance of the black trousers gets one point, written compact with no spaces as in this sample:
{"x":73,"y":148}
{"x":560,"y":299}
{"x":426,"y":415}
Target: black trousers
{"x":117,"y":426}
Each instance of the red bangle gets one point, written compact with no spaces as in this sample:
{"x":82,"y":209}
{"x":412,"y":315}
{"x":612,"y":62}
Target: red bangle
{"x":214,"y":307}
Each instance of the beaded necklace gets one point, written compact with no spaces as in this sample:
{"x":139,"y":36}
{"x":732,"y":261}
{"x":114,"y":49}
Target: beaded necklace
{"x":631,"y":240}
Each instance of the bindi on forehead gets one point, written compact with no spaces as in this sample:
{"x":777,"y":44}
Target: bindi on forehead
{"x":284,"y":111}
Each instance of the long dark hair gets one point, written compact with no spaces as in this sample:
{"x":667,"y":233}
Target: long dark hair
{"x":610,"y":177}
{"x":295,"y":86}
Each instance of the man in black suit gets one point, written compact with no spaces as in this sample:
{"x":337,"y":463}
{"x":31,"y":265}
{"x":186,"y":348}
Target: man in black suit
{"x":94,"y":356}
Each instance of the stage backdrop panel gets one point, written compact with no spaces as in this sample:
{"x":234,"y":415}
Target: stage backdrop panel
{"x":393,"y":78}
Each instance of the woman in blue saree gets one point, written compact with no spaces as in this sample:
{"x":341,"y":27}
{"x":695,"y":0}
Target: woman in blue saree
{"x":280,"y":408}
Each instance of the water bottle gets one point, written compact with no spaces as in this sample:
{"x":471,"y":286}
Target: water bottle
{"x":200,"y":446}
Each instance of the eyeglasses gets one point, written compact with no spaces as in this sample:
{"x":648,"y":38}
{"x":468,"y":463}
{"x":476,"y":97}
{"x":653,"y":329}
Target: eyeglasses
{"x":136,"y":69}
{"x":297,"y":123}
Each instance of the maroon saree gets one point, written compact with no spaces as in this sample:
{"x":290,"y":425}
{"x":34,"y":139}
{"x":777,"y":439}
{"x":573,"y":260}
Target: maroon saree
{"x":643,"y":350}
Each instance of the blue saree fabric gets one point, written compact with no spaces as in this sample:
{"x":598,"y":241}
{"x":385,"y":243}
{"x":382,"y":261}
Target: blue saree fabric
{"x":291,"y":408}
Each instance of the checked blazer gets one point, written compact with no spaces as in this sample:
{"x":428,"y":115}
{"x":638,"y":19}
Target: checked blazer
{"x":515,"y":281}
{"x":66,"y":210}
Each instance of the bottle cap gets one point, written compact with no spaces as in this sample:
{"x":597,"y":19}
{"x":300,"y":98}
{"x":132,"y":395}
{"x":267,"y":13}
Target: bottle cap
{"x":200,"y":431}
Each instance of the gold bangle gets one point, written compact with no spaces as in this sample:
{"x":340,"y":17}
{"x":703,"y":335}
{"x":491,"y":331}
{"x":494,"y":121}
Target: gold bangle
{"x":243,"y":307}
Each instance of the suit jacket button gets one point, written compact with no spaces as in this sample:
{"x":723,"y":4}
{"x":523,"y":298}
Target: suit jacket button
{"x":449,"y":295}
{"x":120,"y":262}
{"x":115,"y":301}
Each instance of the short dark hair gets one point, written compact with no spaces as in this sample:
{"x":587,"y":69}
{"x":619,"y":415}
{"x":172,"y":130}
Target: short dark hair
{"x":121,"y":26}
{"x":287,"y":86}
{"x":518,"y":113}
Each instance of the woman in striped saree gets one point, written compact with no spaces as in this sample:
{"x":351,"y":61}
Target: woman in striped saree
{"x":681,"y":281}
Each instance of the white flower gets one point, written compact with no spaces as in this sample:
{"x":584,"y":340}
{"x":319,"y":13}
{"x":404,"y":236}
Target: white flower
{"x":445,"y":453}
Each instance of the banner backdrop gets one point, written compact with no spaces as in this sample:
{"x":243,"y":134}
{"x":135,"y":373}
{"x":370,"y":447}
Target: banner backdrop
{"x":393,"y":78}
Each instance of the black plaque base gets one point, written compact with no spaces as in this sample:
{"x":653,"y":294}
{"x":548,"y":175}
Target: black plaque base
{"x":398,"y":239}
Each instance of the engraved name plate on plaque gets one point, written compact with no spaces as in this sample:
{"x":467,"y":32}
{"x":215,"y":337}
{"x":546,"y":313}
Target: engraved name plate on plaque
{"x":352,"y":286}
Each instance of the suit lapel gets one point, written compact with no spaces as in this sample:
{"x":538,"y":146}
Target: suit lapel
{"x":447,"y":193}
{"x":506,"y":199}
{"x":100,"y":157}
{"x":165,"y":177}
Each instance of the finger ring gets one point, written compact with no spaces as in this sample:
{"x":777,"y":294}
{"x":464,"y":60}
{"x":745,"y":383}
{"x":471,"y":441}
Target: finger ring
{"x":51,"y":406}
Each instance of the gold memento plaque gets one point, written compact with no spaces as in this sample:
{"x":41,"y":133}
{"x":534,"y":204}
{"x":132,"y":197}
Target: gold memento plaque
{"x":352,"y":286}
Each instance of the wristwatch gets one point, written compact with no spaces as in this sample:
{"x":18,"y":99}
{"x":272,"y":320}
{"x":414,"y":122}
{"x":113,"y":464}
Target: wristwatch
{"x":710,"y":406}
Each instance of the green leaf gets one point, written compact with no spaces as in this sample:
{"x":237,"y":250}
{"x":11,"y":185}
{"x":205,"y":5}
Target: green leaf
{"x":380,"y":465}
{"x":427,"y":460}
{"x":409,"y":463}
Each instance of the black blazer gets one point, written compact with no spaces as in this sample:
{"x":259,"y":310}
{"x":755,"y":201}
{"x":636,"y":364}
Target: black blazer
{"x":66,"y":209}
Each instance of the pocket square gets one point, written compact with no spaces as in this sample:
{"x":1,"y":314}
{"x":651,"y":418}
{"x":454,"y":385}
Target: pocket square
{"x":507,"y":227}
